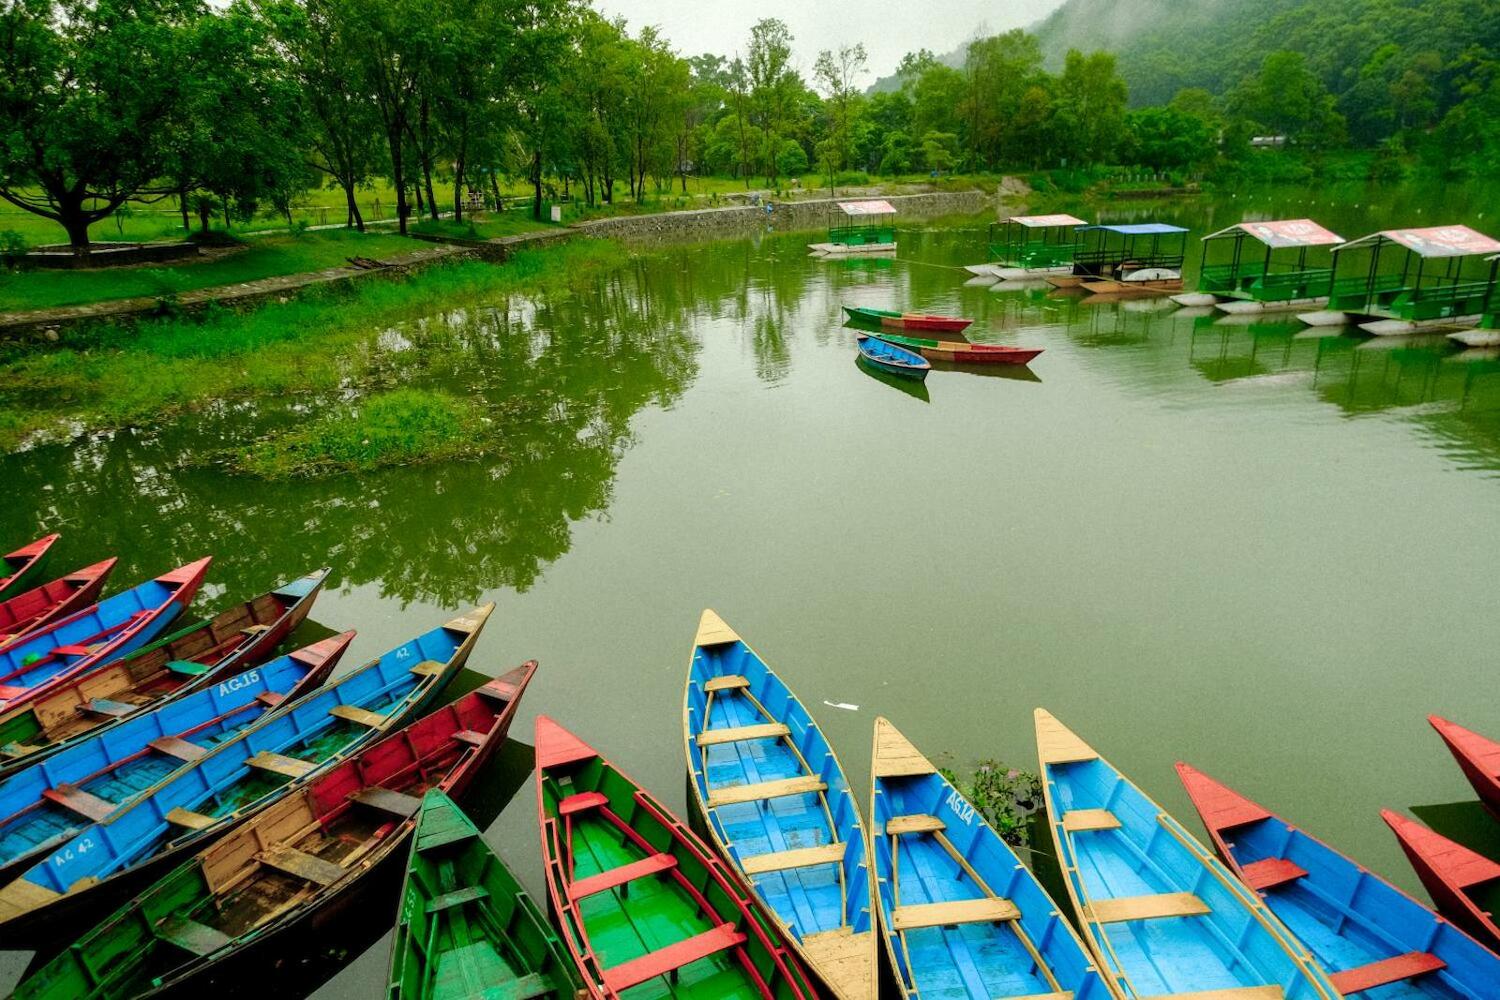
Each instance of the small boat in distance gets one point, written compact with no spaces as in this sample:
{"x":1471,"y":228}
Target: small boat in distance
{"x":1452,"y":874}
{"x":21,"y":567}
{"x":964,"y":353}
{"x":891,"y":359}
{"x":39,"y":606}
{"x":858,"y":227}
{"x":1478,"y":757}
{"x":1365,"y":931}
{"x":889,"y":319}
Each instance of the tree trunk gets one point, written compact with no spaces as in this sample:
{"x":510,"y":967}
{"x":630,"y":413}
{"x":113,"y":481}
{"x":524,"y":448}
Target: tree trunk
{"x":432,"y":205}
{"x":398,"y":177}
{"x":205,"y":210}
{"x":355,"y":219}
{"x":416,"y":190}
{"x":536,"y":184}
{"x":182,"y":205}
{"x":77,"y":225}
{"x":458,"y":187}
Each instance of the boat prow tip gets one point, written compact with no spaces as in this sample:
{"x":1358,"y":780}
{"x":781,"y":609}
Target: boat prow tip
{"x":713,"y":630}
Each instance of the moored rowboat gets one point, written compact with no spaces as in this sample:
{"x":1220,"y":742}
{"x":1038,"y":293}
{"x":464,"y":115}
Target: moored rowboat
{"x":21,"y":567}
{"x":31,"y":609}
{"x":644,"y":905}
{"x":1478,"y":757}
{"x":1452,"y":874}
{"x":960,"y":915}
{"x":776,"y":804}
{"x":1364,"y":931}
{"x":891,"y":359}
{"x":891,"y":320}
{"x":964,"y":353}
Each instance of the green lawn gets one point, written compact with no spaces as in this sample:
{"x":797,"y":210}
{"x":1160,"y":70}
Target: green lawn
{"x":262,"y":258}
{"x":485,"y":225}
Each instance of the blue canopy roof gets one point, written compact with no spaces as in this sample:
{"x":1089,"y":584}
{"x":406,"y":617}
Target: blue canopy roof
{"x":1140,"y":229}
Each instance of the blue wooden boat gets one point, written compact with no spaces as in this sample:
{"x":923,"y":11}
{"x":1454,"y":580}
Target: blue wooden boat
{"x":1162,"y":916}
{"x":110,"y":767}
{"x":893,"y":359}
{"x":88,"y":639}
{"x":106,"y":862}
{"x":1366,"y":932}
{"x":778,"y":807}
{"x":960,"y":914}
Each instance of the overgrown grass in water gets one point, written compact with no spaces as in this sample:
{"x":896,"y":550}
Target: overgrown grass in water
{"x":138,"y":374}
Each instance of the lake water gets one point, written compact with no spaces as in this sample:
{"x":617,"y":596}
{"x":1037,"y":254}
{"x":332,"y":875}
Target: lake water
{"x":1261,"y":551}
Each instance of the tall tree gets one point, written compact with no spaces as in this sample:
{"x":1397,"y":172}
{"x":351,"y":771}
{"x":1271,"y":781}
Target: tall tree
{"x":837,"y":74}
{"x":774,"y":86}
{"x":391,"y":72}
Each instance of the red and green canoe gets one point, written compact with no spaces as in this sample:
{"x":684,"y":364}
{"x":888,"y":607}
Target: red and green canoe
{"x":24,"y":565}
{"x":890,"y":320}
{"x":643,"y":905}
{"x":962,"y":352}
{"x":31,"y":609}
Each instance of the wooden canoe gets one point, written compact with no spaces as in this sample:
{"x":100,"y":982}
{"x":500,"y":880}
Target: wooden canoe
{"x":891,"y":320}
{"x":1109,"y":286}
{"x":1478,"y":757}
{"x":86,"y":640}
{"x":964,"y":353}
{"x":1453,"y":875}
{"x":31,"y":609}
{"x":231,"y":911}
{"x":959,"y":913}
{"x":203,"y":653}
{"x":776,"y":803}
{"x":118,"y":763}
{"x":644,"y":905}
{"x":21,"y":567}
{"x":1154,"y":904}
{"x":1363,"y":930}
{"x":93,"y":872}
{"x":891,"y":359}
{"x":465,"y":926}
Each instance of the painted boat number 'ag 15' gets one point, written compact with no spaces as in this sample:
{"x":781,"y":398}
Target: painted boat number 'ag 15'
{"x":240,"y":681}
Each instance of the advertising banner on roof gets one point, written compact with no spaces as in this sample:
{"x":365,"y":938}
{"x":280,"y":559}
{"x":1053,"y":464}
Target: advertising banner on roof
{"x":867,"y":208}
{"x":1443,"y":241}
{"x":1046,"y":221}
{"x":1291,"y":233}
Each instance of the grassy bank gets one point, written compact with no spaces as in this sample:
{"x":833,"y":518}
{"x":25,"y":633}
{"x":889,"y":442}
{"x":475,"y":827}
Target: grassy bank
{"x":141,"y":374}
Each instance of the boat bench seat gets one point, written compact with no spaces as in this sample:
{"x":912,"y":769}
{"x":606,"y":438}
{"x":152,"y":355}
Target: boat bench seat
{"x":738,"y":734}
{"x":429,"y":668}
{"x":916,"y":823}
{"x":270,"y":698}
{"x":581,"y":802}
{"x":1079,"y":820}
{"x":388,"y":801}
{"x":726,"y":682}
{"x":15,"y":751}
{"x":1271,"y":872}
{"x":1060,"y":995}
{"x":1228,"y":993}
{"x":9,"y":691}
{"x":457,"y":897}
{"x":73,"y":650}
{"x":190,"y":935}
{"x":76,"y":800}
{"x":174,"y":746}
{"x":187,"y":668}
{"x":532,"y":986}
{"x":1160,"y":906}
{"x":616,"y":877}
{"x":113,"y":709}
{"x":188,"y":819}
{"x":959,"y":911}
{"x":363,"y":716}
{"x":498,"y":690}
{"x":671,"y":958}
{"x":1385,"y":972}
{"x":797,"y":857}
{"x":300,"y":864}
{"x":470,"y":736}
{"x":289,"y":767}
{"x":765,"y":790}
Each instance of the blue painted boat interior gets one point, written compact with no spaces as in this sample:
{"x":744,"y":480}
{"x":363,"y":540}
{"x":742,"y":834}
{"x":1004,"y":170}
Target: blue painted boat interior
{"x":808,"y":900}
{"x":1348,"y":917}
{"x":885,"y":352}
{"x":115,"y":763}
{"x":1152,"y":854}
{"x":976,"y":961}
{"x":213,"y":786}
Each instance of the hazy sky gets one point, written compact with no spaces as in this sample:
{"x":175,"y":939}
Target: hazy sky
{"x":889,"y":28}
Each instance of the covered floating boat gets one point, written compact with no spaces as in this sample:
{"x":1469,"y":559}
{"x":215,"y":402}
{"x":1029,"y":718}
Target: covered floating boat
{"x":85,"y":640}
{"x":1435,"y":287}
{"x":776,"y":804}
{"x":465,"y":927}
{"x":230,"y":912}
{"x":891,"y":359}
{"x":1138,"y":258}
{"x":643,"y":903}
{"x":889,"y":319}
{"x":858,"y":227}
{"x":1031,"y":246}
{"x":21,"y":567}
{"x":1365,"y":932}
{"x":96,"y":869}
{"x":1478,"y":757}
{"x":1282,"y":278}
{"x":200,"y":654}
{"x":1453,"y":875}
{"x":34,"y":608}
{"x":964,"y":353}
{"x":1161,"y":915}
{"x":1486,"y":333}
{"x":960,"y":914}
{"x":112,"y":766}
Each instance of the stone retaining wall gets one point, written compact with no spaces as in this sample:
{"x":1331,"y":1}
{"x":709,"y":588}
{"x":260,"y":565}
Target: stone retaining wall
{"x":62,"y":257}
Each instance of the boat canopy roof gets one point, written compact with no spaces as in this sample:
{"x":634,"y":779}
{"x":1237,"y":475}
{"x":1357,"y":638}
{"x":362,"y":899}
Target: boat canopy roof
{"x":1138,"y":229}
{"x":1438,"y":241}
{"x":1044,"y":221}
{"x":1284,"y":233}
{"x":859,"y":208}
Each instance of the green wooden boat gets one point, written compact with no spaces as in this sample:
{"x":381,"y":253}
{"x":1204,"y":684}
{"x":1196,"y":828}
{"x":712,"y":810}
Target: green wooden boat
{"x":467,"y":930}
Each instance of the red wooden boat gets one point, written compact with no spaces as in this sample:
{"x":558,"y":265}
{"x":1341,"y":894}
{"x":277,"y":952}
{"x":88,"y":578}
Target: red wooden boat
{"x":1478,"y":756}
{"x":891,"y":320}
{"x":1452,"y":874}
{"x":24,"y":565}
{"x":962,"y":352}
{"x":31,"y":609}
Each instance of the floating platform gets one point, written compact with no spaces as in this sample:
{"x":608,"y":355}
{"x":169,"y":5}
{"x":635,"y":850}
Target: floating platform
{"x":1196,"y":300}
{"x":1405,"y":327}
{"x":1250,"y":307}
{"x":849,"y":249}
{"x":1476,"y":338}
{"x":1326,"y":317}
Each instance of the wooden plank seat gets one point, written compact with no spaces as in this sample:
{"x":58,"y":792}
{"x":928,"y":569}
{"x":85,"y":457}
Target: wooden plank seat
{"x":174,"y":746}
{"x":470,"y":736}
{"x":187,"y":668}
{"x":959,"y":911}
{"x":897,"y":825}
{"x":190,"y":935}
{"x":1228,"y":993}
{"x":1060,"y":995}
{"x":671,"y":958}
{"x":1386,"y":971}
{"x":308,"y":867}
{"x":498,"y":690}
{"x":798,"y":857}
{"x":1271,"y":872}
{"x":581,"y":802}
{"x":532,"y":986}
{"x":254,"y":630}
{"x":75,"y":799}
{"x":727,"y":682}
{"x":73,"y":650}
{"x":188,"y":819}
{"x":396,"y":803}
{"x":429,"y":668}
{"x":289,"y":767}
{"x":1157,"y":907}
{"x":15,"y":751}
{"x":457,"y":897}
{"x":363,"y":716}
{"x":1079,"y":820}
{"x":765,"y":790}
{"x":270,"y":698}
{"x":9,"y":691}
{"x":108,"y":707}
{"x":739,"y":734}
{"x":614,"y":878}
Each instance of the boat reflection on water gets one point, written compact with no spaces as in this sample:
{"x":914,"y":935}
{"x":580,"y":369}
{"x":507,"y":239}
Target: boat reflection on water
{"x":911,"y":387}
{"x":1014,"y":373}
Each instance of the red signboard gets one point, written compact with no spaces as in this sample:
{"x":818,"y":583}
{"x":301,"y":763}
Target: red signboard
{"x":1443,"y":241}
{"x":1046,"y":221}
